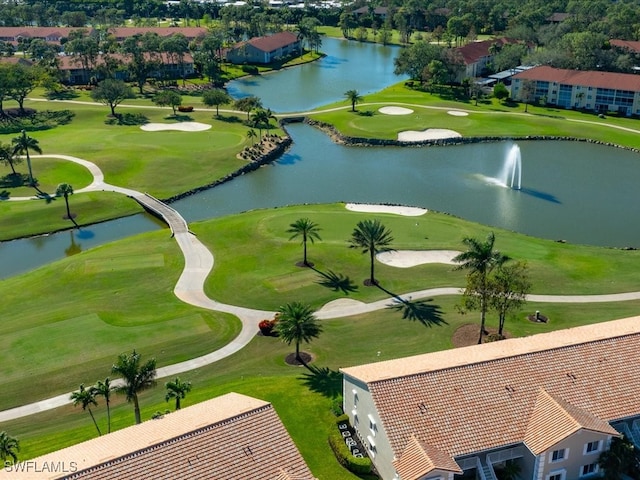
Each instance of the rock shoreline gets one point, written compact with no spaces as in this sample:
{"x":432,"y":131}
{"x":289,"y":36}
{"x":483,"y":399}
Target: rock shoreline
{"x":341,"y":139}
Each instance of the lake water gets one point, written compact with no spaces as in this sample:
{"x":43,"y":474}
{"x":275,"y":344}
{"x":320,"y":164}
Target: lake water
{"x":365,"y":67}
{"x":578,"y":192}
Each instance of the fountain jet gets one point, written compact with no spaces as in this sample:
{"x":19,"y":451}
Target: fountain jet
{"x":511,"y":175}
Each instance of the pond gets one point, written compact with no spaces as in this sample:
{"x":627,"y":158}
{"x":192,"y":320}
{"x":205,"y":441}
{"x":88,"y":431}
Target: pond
{"x":572,"y":191}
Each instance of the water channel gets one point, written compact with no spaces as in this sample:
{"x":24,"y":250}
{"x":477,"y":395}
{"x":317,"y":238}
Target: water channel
{"x":574,"y":191}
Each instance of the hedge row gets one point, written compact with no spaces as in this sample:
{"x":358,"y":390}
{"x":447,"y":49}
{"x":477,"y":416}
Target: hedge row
{"x":358,"y":466}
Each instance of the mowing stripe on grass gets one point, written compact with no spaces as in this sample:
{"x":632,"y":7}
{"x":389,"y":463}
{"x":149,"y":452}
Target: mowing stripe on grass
{"x":36,"y":350}
{"x":292,"y":281}
{"x":133,"y":262}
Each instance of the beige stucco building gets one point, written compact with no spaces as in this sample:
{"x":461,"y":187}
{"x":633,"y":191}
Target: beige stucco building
{"x":548,"y":403}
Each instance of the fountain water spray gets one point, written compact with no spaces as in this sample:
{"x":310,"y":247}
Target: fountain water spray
{"x":511,"y":175}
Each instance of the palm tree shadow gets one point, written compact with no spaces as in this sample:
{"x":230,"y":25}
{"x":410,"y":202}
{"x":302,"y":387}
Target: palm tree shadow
{"x":336,"y":281}
{"x":422,"y":311}
{"x":324,"y":381}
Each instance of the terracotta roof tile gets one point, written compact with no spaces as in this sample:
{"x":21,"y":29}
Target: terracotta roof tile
{"x":273,"y":42}
{"x":631,"y":45}
{"x":189,"y":32}
{"x":418,"y":458}
{"x":226,"y":438}
{"x":481,"y":397}
{"x":474,"y":51}
{"x":553,"y":420}
{"x":616,"y":81}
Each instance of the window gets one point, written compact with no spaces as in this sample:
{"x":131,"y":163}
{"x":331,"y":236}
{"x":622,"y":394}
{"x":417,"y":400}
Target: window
{"x":556,"y":475}
{"x":592,"y":447}
{"x":372,"y":425}
{"x":559,"y":455}
{"x":590,"y":469}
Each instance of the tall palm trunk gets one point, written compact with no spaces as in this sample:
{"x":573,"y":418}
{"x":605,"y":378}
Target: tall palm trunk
{"x":136,"y":409}
{"x":372,"y":254}
{"x":108,"y":417}
{"x":94,"y":421}
{"x":69,"y":216}
{"x":304,"y":243}
{"x":31,"y":182}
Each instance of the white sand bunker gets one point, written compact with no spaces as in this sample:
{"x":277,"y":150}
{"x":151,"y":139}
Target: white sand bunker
{"x":395,"y":111}
{"x":457,"y":113}
{"x":428,"y":134}
{"x":181,"y":126}
{"x":411,"y":258}
{"x":397,"y":209}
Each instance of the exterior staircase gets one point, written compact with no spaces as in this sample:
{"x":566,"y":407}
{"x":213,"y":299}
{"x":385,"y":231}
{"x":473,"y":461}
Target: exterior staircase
{"x":488,"y":472}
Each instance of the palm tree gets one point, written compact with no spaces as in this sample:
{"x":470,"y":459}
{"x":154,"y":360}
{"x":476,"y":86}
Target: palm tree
{"x":260,"y":119}
{"x":21,"y":146}
{"x":8,"y":157}
{"x":136,"y":376}
{"x":621,"y":460}
{"x":9,"y":446}
{"x":354,"y":97}
{"x":269,"y":116}
{"x":86,"y":398}
{"x":64,"y":189}
{"x":251,"y":133}
{"x":104,"y":389}
{"x":177,"y":389}
{"x":297,"y":323}
{"x":372,"y":237}
{"x":480,"y":259}
{"x":306,"y":229}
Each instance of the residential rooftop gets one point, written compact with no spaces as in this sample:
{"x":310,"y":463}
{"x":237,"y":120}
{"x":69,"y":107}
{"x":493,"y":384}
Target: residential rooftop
{"x":532,"y":390}
{"x":229,"y":437}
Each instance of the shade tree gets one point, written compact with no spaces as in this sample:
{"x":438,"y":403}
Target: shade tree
{"x":214,"y":98}
{"x":112,"y":93}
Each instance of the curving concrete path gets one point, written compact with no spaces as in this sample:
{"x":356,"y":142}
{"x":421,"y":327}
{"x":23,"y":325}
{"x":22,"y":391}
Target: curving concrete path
{"x":199,"y":262}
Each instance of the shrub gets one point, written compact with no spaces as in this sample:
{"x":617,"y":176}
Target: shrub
{"x":185,"y":109}
{"x":266,"y":327}
{"x":250,"y":69}
{"x":359,"y":466}
{"x":494,"y":337}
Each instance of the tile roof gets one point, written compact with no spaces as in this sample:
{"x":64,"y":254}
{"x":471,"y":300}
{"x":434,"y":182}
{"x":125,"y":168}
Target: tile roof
{"x":474,"y":51}
{"x":482,"y":397}
{"x":70,"y":62}
{"x":418,"y":458}
{"x":553,"y":420}
{"x":631,"y":45}
{"x":37,"y":32}
{"x":273,"y":42}
{"x":189,"y":32}
{"x":226,"y":438}
{"x":616,"y":81}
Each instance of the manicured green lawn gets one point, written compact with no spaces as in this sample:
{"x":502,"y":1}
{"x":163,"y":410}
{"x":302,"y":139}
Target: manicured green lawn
{"x":48,"y":172}
{"x":487,"y":119}
{"x":119,"y":297}
{"x":303,"y":402}
{"x":269,"y":275}
{"x":25,"y":218}
{"x":65,"y":323}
